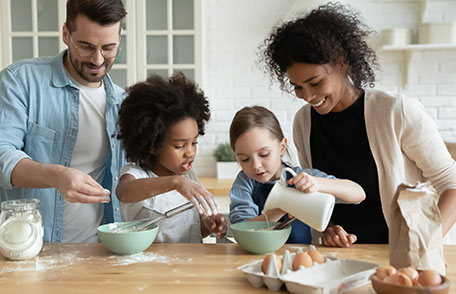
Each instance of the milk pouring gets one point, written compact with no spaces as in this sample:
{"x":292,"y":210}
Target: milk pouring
{"x":313,"y":209}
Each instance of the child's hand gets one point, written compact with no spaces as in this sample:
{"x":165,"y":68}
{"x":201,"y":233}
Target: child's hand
{"x":216,"y":224}
{"x":304,"y":182}
{"x":335,"y":236}
{"x":203,"y":201}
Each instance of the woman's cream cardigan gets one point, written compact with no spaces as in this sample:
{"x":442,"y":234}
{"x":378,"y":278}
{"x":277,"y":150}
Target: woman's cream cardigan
{"x":404,"y":141}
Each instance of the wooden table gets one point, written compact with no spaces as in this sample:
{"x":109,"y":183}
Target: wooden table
{"x":220,"y":188}
{"x":163,"y":268}
{"x":217,"y":187}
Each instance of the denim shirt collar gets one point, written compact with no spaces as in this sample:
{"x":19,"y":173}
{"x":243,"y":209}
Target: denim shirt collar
{"x":61,"y":79}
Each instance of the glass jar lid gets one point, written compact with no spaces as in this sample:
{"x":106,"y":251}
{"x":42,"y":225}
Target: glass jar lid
{"x":21,"y":205}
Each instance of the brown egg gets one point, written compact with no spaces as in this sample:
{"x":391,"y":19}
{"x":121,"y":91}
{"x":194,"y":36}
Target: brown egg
{"x":383,"y":272}
{"x":303,"y":259}
{"x":265,"y":264}
{"x":316,"y":256}
{"x":415,"y":283}
{"x":410,"y":272}
{"x":428,"y":278}
{"x":399,"y":279}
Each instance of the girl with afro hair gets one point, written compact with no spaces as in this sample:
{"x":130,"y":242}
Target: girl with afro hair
{"x":159,"y":125}
{"x":374,"y":138}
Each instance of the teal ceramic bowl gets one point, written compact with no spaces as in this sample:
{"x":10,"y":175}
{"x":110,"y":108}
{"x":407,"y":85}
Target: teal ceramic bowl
{"x":126,"y":243}
{"x":251,"y":237}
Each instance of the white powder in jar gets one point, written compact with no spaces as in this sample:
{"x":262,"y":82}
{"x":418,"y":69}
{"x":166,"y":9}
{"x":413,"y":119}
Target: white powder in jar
{"x":21,"y":238}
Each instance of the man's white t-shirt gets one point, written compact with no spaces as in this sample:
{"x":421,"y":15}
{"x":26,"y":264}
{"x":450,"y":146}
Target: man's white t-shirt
{"x":90,"y":154}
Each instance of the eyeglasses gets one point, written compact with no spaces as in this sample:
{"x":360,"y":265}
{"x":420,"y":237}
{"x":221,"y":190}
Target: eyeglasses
{"x":87,"y":50}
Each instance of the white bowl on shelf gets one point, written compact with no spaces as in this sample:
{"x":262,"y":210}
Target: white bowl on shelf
{"x":396,"y":37}
{"x":437,"y":33}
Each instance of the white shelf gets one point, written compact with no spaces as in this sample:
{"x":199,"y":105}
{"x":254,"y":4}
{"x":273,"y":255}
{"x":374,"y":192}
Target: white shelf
{"x":414,"y":47}
{"x":409,"y":53}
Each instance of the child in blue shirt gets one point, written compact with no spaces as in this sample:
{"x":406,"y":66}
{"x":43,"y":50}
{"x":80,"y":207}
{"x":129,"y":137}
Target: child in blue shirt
{"x":259,"y":144}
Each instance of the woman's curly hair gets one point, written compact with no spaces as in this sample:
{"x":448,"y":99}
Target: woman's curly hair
{"x":149,"y":110}
{"x":332,"y":34}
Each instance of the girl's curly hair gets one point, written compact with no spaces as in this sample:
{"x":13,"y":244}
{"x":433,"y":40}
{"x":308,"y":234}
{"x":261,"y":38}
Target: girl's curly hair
{"x":332,"y":34}
{"x":149,"y":110}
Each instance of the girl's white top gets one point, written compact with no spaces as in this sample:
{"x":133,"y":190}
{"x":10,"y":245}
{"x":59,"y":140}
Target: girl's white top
{"x":182,"y":228}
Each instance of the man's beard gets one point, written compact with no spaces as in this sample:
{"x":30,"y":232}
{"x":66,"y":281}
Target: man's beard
{"x":91,"y":78}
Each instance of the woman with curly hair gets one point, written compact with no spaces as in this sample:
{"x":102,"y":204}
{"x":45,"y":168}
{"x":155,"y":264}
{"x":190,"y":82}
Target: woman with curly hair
{"x":374,"y":138}
{"x":159,"y":125}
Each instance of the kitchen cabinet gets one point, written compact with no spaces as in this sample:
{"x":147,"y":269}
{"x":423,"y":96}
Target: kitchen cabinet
{"x":159,"y":36}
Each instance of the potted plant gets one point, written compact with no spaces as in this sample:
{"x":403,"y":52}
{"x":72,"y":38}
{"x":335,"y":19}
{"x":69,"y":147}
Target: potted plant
{"x":227,"y":167}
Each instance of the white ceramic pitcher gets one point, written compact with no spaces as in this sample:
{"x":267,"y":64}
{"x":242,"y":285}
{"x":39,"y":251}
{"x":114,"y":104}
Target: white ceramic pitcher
{"x":313,"y":209}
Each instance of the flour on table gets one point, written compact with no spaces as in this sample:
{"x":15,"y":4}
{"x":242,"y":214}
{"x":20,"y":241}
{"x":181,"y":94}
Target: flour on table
{"x":332,"y":254}
{"x":42,"y":263}
{"x":65,"y":260}
{"x":140,"y":257}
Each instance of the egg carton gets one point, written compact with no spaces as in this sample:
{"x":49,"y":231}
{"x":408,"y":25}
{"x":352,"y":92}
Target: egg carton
{"x":333,"y":276}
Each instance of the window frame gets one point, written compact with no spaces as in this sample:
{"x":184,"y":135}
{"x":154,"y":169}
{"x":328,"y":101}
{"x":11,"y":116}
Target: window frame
{"x":7,"y":35}
{"x":136,"y":66}
{"x":170,"y":66}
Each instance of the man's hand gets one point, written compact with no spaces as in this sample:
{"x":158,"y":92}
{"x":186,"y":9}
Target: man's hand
{"x":77,"y":186}
{"x":73,"y":184}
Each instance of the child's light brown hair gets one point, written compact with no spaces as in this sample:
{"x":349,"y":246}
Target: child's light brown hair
{"x":251,"y":117}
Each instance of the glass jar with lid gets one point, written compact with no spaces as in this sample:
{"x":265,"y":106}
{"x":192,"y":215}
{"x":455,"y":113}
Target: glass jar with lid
{"x":21,"y":229}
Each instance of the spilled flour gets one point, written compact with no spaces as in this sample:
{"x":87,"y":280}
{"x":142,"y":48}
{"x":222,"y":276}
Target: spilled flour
{"x":41,"y":263}
{"x":141,"y":257}
{"x":64,"y":260}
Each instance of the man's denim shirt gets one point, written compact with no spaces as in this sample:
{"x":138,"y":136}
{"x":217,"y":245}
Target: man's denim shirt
{"x":39,"y":112}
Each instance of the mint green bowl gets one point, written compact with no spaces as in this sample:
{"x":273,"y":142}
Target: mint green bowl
{"x":126,"y":243}
{"x":248,"y":236}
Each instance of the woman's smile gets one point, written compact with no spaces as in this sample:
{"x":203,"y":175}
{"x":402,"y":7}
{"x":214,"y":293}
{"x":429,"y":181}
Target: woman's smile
{"x":319,"y":103}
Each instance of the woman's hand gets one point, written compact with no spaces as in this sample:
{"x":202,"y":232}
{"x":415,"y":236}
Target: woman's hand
{"x":216,"y":224}
{"x":335,"y":236}
{"x":203,"y":201}
{"x":304,"y":183}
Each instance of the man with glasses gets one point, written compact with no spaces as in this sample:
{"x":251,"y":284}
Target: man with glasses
{"x":57,"y":120}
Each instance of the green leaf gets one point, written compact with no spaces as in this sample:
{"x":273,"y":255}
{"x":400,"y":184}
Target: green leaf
{"x":224,"y":153}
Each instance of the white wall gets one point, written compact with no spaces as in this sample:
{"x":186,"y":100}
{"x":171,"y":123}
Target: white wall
{"x":232,"y":78}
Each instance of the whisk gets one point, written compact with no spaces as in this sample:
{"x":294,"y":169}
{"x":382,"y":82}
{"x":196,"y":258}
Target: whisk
{"x":144,"y":224}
